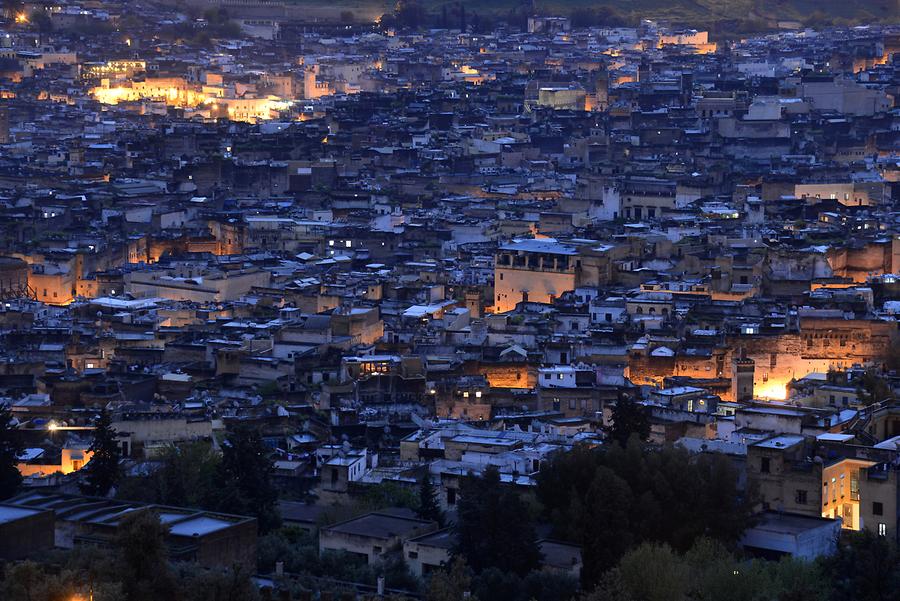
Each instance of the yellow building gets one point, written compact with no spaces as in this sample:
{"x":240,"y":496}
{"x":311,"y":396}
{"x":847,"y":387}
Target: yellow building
{"x":536,"y":270}
{"x":38,"y":462}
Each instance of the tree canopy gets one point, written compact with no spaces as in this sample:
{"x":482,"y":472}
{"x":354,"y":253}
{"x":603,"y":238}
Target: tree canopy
{"x":187,"y":477}
{"x":102,"y":472}
{"x":10,"y":449}
{"x":429,"y":508}
{"x":613,"y":498}
{"x":708,"y":572}
{"x":238,"y":481}
{"x":245,"y":474}
{"x":629,"y":418}
{"x":492,"y":521}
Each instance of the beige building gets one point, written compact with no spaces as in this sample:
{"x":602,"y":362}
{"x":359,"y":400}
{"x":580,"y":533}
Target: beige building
{"x":536,"y":270}
{"x":372,"y":535}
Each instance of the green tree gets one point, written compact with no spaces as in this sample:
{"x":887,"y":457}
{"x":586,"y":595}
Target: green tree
{"x":23,"y":581}
{"x":450,"y":584}
{"x":716,"y":574}
{"x":499,"y":585}
{"x":872,"y":388}
{"x":798,"y":580}
{"x":144,"y":569}
{"x":218,"y":585}
{"x":892,"y":356}
{"x":102,"y":472}
{"x":429,"y":509}
{"x":41,"y":21}
{"x":494,"y":528}
{"x":11,"y":449}
{"x":245,"y":475}
{"x":628,"y":418}
{"x":866,"y":567}
{"x":187,"y":477}
{"x":409,"y":13}
{"x":386,"y":494}
{"x":603,"y":522}
{"x":612,"y":498}
{"x":708,"y":572}
{"x":549,"y":586}
{"x":653,"y":572}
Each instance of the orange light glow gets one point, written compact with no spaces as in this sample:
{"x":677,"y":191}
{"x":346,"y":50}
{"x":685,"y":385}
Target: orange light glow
{"x":772,"y":391}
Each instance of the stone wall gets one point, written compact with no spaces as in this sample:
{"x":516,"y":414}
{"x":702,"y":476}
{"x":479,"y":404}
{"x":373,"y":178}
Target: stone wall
{"x":822,"y":344}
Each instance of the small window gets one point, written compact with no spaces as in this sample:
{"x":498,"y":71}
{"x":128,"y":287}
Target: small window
{"x":413,"y":554}
{"x":765,"y":465}
{"x":882,"y":529}
{"x":877,"y":508}
{"x":451,"y":496}
{"x":800,"y":497}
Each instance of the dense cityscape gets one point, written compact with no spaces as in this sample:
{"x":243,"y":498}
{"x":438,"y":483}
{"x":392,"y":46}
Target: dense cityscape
{"x":305,"y":302}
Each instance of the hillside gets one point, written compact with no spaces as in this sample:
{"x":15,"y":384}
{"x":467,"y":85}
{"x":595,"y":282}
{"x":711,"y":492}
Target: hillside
{"x":685,"y":11}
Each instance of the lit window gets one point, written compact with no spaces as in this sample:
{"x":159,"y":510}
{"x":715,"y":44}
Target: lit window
{"x":348,"y":244}
{"x":882,"y":529}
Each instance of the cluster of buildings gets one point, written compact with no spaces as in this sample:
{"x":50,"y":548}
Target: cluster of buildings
{"x":402,"y":253}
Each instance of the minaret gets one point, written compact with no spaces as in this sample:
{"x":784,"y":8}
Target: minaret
{"x":742,"y":378}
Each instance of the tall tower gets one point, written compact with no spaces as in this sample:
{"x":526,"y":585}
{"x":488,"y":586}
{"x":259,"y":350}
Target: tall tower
{"x":4,"y":125}
{"x":742,"y":370}
{"x":687,"y":87}
{"x":602,"y":89}
{"x":644,"y":74}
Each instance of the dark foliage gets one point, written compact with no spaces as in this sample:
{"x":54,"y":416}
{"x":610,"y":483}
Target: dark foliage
{"x":629,"y":418}
{"x":429,"y":509}
{"x":609,"y":500}
{"x":245,"y":475}
{"x":492,"y":520}
{"x":102,"y":472}
{"x":10,"y":449}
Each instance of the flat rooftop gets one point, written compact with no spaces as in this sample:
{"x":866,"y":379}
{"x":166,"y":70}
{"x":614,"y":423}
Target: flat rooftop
{"x":780,"y":442}
{"x":790,"y":523}
{"x":540,"y":245}
{"x":377,"y":525}
{"x":199,"y":526}
{"x":441,"y":539}
{"x":11,"y":513}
